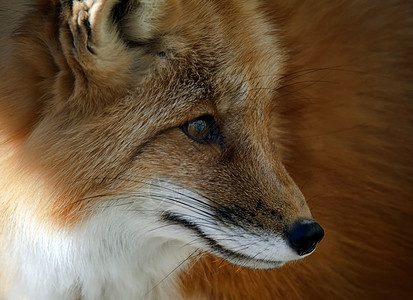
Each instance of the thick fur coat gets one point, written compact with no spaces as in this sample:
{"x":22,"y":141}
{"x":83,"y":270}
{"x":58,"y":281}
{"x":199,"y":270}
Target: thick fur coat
{"x":107,"y":193}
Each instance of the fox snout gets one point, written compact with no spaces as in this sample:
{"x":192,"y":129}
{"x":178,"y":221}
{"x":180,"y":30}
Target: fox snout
{"x":304,"y":235}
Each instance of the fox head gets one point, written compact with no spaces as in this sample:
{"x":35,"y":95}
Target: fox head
{"x":152,"y":127}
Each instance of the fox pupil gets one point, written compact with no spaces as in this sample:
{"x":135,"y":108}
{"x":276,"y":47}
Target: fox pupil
{"x":198,"y":128}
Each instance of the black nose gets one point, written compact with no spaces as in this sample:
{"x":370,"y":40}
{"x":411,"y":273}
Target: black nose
{"x":304,"y":235}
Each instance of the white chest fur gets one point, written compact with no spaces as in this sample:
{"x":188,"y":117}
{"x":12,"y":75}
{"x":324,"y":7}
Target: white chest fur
{"x":101,"y":259}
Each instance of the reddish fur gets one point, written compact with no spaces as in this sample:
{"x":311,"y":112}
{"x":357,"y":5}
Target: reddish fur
{"x":346,"y":122}
{"x":342,"y":120}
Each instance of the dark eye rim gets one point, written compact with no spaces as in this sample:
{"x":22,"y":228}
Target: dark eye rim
{"x":214,"y":135}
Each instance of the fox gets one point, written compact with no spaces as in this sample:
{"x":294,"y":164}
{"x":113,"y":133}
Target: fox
{"x":165,"y":149}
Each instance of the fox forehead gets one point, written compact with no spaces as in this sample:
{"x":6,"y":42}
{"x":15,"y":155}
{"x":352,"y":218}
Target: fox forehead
{"x":215,"y":69}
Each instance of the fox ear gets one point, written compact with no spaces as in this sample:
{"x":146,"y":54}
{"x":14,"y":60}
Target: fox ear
{"x":143,"y":20}
{"x":104,"y":43}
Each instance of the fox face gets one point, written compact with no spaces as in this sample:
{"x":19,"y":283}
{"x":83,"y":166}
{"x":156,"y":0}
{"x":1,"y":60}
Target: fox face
{"x":152,"y":142}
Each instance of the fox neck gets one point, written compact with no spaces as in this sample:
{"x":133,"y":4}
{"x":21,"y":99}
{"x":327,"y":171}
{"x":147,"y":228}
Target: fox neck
{"x":98,"y":261}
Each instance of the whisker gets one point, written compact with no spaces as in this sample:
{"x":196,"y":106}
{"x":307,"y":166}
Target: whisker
{"x":300,"y":73}
{"x":189,"y":202}
{"x":303,"y":72}
{"x":329,"y":133}
{"x":169,"y":274}
{"x":307,"y":83}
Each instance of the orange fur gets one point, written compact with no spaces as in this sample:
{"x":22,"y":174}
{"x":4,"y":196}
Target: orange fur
{"x":331,"y":81}
{"x":344,"y":116}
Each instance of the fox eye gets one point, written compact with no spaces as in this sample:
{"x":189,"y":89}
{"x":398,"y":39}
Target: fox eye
{"x":203,"y":130}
